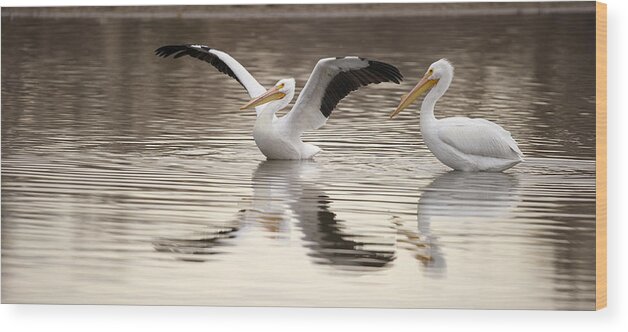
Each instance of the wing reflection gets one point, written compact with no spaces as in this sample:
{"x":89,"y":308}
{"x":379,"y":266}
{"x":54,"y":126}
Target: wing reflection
{"x":452,"y":201}
{"x":328,"y":238}
{"x":195,"y":247}
{"x":284,"y":191}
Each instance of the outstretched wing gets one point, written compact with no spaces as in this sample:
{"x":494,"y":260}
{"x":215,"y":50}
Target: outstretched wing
{"x":220,"y":60}
{"x":478,"y":137}
{"x":332,"y":80}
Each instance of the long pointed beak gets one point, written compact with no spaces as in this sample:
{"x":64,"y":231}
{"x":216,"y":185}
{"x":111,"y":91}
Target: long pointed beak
{"x":270,"y":95}
{"x":423,"y":85}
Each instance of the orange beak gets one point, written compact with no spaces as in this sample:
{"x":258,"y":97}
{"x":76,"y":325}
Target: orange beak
{"x":270,"y":95}
{"x":424,"y":85}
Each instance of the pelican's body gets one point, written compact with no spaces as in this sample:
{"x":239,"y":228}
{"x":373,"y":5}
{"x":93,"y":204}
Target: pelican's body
{"x":331,"y":80}
{"x":461,"y":143}
{"x":273,"y":142}
{"x":276,"y":140}
{"x":470,"y":144}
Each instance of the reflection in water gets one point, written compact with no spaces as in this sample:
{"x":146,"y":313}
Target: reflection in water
{"x":328,"y":238}
{"x":285,"y":189}
{"x":458,"y":199}
{"x":195,"y":247}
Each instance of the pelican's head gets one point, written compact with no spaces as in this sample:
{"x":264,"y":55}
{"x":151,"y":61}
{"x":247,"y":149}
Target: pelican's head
{"x":439,"y":70}
{"x":283,"y":90}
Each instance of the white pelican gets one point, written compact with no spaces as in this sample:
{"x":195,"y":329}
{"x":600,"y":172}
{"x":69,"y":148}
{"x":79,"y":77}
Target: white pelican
{"x":331,"y":80}
{"x":461,"y":143}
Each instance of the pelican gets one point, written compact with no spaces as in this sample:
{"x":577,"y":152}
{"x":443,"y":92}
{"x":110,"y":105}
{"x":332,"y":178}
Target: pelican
{"x":461,"y":143}
{"x":331,"y":80}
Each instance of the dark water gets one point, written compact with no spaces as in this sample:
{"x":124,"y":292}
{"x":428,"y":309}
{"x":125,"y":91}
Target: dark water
{"x":127,"y":178}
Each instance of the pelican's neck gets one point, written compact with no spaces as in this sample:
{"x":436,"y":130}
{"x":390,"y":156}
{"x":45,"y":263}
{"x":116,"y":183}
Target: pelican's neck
{"x":267,"y":115}
{"x":427,"y":107}
{"x":269,"y":110}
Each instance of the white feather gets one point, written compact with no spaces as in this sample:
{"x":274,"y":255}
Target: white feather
{"x":306,"y":113}
{"x":478,"y":137}
{"x":249,"y":82}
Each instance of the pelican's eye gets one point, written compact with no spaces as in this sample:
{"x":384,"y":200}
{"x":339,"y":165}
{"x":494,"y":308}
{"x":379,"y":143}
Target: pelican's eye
{"x":280,"y":86}
{"x":430,"y":72}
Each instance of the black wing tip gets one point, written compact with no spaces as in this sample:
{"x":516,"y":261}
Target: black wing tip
{"x":168,"y":50}
{"x":344,"y":82}
{"x":388,"y":71}
{"x":198,"y":51}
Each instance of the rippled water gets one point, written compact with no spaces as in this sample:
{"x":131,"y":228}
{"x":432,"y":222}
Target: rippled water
{"x":127,"y":178}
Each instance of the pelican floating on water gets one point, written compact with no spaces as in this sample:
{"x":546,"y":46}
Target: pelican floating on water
{"x":331,"y":80}
{"x":461,"y":143}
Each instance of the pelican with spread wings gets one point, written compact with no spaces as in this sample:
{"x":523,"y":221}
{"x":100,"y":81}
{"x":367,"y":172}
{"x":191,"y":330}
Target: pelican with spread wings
{"x":331,"y":81}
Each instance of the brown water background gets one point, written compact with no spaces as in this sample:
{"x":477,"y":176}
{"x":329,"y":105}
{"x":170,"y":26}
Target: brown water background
{"x":128,"y":178}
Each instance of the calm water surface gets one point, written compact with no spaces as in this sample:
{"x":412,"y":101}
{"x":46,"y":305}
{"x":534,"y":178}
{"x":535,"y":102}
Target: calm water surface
{"x":128,"y":178}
